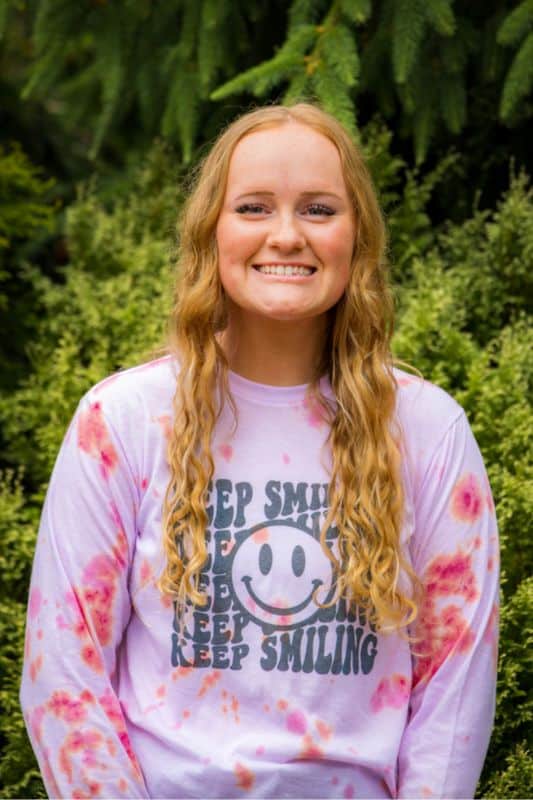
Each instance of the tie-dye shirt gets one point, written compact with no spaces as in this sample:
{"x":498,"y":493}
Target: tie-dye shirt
{"x":261,"y":692}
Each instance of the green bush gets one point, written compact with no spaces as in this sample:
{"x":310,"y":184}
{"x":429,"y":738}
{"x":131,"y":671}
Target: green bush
{"x":27,"y":216}
{"x":462,"y":322}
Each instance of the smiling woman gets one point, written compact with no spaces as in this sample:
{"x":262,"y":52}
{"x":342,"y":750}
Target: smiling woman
{"x":267,"y":563}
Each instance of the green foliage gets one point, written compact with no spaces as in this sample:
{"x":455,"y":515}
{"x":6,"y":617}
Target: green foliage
{"x":517,"y":30}
{"x":19,"y":774}
{"x":18,"y":521}
{"x":409,"y":28}
{"x":27,"y":214}
{"x":108,"y":313}
{"x":105,"y":61}
{"x":500,"y":383}
{"x":509,"y":767}
{"x":23,"y":198}
{"x":462,"y":321}
{"x":518,"y":772}
{"x":108,"y":63}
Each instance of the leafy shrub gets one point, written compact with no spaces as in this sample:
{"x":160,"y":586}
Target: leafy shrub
{"x":461,"y":322}
{"x":27,"y":215}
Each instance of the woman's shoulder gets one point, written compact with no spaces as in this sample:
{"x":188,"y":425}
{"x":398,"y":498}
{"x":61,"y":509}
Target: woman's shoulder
{"x":131,"y":394}
{"x":425,"y":411}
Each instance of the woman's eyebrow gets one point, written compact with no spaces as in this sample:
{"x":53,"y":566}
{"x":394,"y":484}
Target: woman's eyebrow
{"x":309,"y":193}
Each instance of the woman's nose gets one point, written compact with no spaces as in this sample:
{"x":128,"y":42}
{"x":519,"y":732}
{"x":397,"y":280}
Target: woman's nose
{"x":285,"y":233}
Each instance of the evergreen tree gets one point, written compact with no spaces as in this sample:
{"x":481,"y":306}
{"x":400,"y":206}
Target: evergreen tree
{"x":158,"y":66}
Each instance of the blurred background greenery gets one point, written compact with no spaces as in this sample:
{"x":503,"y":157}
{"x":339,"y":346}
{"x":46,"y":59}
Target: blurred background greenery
{"x":105,"y":106}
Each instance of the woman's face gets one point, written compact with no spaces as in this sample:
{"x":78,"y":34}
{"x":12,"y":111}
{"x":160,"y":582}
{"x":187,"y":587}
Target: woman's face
{"x":286,"y":231}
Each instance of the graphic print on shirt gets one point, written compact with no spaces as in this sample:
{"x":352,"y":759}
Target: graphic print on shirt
{"x":269,"y":586}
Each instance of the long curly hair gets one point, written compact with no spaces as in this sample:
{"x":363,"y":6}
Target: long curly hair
{"x":366,"y":493}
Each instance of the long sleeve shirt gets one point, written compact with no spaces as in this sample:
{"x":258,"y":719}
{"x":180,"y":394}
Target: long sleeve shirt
{"x":267,"y":690}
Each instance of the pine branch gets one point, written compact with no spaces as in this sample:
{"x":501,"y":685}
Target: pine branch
{"x":4,"y":13}
{"x":304,"y":12}
{"x":492,"y":58}
{"x":148,"y":80}
{"x":452,"y":95}
{"x":517,"y":24}
{"x":375,"y":57}
{"x":210,"y":56}
{"x":420,"y":101}
{"x":190,"y":25}
{"x":181,"y":112}
{"x":408,"y":35}
{"x":357,"y":11}
{"x":334,"y":96}
{"x":112,"y":63}
{"x":46,"y":71}
{"x":298,"y":89}
{"x":424,"y":125}
{"x":519,"y":80}
{"x":260,"y":79}
{"x":338,"y":48}
{"x":440,"y":16}
{"x":455,"y":50}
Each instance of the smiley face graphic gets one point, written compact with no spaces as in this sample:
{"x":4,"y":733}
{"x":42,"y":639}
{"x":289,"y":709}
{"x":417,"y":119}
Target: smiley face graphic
{"x":279,"y":571}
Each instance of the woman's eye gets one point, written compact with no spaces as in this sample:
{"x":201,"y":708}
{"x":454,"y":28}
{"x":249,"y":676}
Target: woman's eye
{"x":319,"y":210}
{"x":250,"y":208}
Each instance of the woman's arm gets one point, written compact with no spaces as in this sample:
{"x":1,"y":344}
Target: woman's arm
{"x":78,"y":609}
{"x":455,"y":552}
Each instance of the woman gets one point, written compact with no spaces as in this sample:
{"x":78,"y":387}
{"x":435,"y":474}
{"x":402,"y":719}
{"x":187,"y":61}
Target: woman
{"x":267,"y":564}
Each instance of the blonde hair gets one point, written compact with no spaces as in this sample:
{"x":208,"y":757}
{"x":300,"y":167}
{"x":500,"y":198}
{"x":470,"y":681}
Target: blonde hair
{"x":366,"y":494}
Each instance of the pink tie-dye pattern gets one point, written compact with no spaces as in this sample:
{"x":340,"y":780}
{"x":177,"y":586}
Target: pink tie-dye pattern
{"x":314,"y":413}
{"x":296,"y":722}
{"x":35,"y":602}
{"x":325,"y":731}
{"x":391,"y":692}
{"x":48,"y":774}
{"x":71,"y":709}
{"x":235,"y":705}
{"x":111,"y":706}
{"x":86,"y":743}
{"x":209,"y":682}
{"x":310,"y":749}
{"x":491,"y":631}
{"x":445,"y":631}
{"x":100,"y":582}
{"x":35,"y":667}
{"x":93,"y":438}
{"x":36,"y":723}
{"x":244,"y":777}
{"x":226,"y":451}
{"x":165,"y":422}
{"x":145,"y":572}
{"x":467,"y":499}
{"x":91,"y":605}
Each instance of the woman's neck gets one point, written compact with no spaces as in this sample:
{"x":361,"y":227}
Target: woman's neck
{"x":274,"y":352}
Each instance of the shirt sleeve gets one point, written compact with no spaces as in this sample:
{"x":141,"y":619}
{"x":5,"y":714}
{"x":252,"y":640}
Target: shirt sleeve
{"x":454,"y":550}
{"x":78,"y":609}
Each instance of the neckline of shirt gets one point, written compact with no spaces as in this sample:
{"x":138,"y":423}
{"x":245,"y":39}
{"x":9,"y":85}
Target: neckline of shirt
{"x":266,"y":394}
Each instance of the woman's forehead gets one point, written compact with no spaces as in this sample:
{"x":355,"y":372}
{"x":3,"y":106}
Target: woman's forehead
{"x":290,"y":152}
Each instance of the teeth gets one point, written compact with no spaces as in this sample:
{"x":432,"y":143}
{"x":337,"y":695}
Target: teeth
{"x":278,"y":269}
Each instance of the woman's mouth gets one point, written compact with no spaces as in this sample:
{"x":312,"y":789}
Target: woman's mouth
{"x":284,"y":270}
